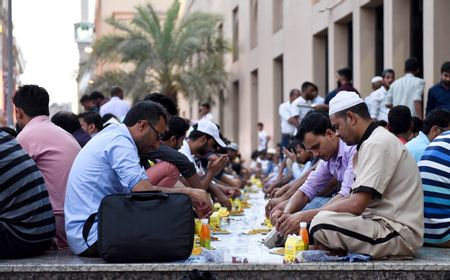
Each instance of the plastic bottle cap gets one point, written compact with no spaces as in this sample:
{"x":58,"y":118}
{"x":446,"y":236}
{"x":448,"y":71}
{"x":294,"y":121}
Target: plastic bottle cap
{"x":204,"y":221}
{"x":303,"y":224}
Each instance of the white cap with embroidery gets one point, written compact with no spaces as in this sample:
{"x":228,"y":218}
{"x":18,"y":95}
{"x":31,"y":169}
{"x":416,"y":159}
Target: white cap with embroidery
{"x":344,"y":100}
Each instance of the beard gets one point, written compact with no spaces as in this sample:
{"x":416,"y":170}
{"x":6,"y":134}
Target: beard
{"x":446,"y":83}
{"x":203,"y":150}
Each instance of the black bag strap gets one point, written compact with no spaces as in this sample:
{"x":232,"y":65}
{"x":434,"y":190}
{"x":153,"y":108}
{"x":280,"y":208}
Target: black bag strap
{"x":87,"y":227}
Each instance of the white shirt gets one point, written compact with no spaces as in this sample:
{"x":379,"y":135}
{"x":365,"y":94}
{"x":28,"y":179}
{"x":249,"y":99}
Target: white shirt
{"x":285,"y":114}
{"x":208,"y":117}
{"x":115,"y":106}
{"x":318,"y":100}
{"x":186,"y":150}
{"x":405,"y":91}
{"x":300,"y":107}
{"x":376,"y":102}
{"x":262,"y":140}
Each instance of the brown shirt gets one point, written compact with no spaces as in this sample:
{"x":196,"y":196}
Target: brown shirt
{"x":384,"y":167}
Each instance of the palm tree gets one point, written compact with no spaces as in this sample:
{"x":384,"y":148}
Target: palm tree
{"x":171,"y":55}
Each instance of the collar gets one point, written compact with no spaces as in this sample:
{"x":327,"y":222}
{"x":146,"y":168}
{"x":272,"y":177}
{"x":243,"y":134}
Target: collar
{"x":342,"y":149}
{"x":409,"y":75}
{"x":366,"y":134}
{"x":423,"y":137}
{"x":442,"y":86}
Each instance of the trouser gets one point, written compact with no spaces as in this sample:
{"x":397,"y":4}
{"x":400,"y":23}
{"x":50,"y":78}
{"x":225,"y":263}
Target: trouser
{"x":91,"y":252}
{"x":344,"y":231}
{"x":12,"y":247}
{"x":285,"y":139}
{"x":163,"y":174}
{"x":317,"y":202}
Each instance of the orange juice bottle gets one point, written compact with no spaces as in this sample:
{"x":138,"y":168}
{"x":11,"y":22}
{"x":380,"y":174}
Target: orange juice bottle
{"x":205,"y":235}
{"x":304,"y":235}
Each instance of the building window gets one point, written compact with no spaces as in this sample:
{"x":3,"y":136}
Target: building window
{"x":277,"y":10}
{"x":379,"y":40}
{"x":350,"y":44}
{"x":253,"y":23}
{"x":235,"y":34}
{"x":320,"y":55}
{"x":235,"y":108}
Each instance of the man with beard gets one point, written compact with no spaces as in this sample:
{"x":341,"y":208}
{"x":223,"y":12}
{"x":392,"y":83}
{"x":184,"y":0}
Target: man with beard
{"x":109,"y":164}
{"x":439,"y":94}
{"x":378,"y":110}
{"x":202,"y":140}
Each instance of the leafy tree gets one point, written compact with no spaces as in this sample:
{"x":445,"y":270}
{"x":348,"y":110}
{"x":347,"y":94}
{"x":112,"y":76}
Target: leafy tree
{"x":169,"y":55}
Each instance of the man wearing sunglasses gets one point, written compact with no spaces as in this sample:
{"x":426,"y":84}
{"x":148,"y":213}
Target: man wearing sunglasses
{"x":109,"y":164}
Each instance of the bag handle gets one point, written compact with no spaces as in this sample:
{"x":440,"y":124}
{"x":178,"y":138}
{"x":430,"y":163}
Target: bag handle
{"x":148,"y":196}
{"x":87,"y":227}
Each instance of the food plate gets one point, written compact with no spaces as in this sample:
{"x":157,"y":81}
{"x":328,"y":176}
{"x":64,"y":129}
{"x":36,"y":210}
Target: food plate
{"x":258,"y":231}
{"x":237,"y":213}
{"x":219,"y":231}
{"x":277,"y":251}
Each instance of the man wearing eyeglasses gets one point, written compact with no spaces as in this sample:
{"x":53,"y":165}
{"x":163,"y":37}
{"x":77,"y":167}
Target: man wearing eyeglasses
{"x":109,"y":164}
{"x":436,"y":122}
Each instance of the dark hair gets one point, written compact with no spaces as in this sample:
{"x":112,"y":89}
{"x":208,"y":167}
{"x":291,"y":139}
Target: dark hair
{"x":438,"y":117}
{"x":412,"y":64}
{"x":92,"y":118}
{"x":115,"y":91}
{"x":417,"y":124}
{"x":206,"y":105}
{"x":360,"y":109}
{"x":97,"y":95}
{"x":294,"y":91}
{"x":445,"y":67}
{"x":382,"y":123}
{"x":145,"y":110}
{"x":177,"y":127}
{"x":195,"y":134}
{"x":261,"y":124}
{"x":9,"y":130}
{"x":67,"y":121}
{"x":255,"y":155}
{"x":306,"y":85}
{"x":165,"y":101}
{"x":346,"y":73}
{"x":85,"y":98}
{"x":387,"y":71}
{"x":33,"y":100}
{"x":315,"y":122}
{"x":107,"y":117}
{"x":399,"y":119}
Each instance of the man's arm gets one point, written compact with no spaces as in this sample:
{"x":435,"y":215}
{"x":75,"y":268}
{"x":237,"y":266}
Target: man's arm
{"x":431,"y":103}
{"x":418,"y":105}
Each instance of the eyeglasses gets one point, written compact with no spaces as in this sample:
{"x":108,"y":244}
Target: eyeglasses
{"x":160,"y":135}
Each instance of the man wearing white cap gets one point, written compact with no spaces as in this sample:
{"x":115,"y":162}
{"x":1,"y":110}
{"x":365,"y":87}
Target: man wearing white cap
{"x":376,"y":101}
{"x":383,"y":217}
{"x":203,"y":138}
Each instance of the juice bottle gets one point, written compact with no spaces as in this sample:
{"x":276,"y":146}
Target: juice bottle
{"x":304,"y":235}
{"x":205,"y":235}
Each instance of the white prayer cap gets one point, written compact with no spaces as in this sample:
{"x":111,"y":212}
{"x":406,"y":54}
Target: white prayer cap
{"x":344,"y":100}
{"x":376,"y":79}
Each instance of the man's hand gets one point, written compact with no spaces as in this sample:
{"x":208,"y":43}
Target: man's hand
{"x":271,"y":204}
{"x":202,"y":202}
{"x":275,"y":215}
{"x":216,"y":165}
{"x":223,"y":199}
{"x":290,"y":223}
{"x":290,"y":154}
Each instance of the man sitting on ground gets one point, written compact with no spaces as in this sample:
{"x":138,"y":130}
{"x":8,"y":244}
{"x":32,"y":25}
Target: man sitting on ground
{"x":109,"y":164}
{"x":383,"y":217}
{"x":91,"y":123}
{"x":26,"y":229}
{"x":400,"y":123}
{"x":69,"y":122}
{"x":435,"y":123}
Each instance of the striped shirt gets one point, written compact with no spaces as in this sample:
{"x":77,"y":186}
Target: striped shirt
{"x":434,"y":169}
{"x":24,"y":204}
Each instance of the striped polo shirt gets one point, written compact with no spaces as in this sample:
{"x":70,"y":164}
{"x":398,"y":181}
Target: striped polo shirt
{"x":434,"y":169}
{"x":25,"y":209}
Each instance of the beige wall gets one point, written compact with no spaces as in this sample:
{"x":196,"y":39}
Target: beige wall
{"x":301,"y":42}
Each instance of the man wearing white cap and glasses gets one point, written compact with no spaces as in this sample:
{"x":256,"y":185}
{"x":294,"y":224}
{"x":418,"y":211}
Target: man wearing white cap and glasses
{"x":383,"y":216}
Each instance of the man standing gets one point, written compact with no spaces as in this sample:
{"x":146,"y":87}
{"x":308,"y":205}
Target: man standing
{"x":109,"y":164}
{"x":205,"y":112}
{"x":383,"y":216}
{"x":263,"y":137}
{"x":378,"y":110}
{"x":408,"y":90}
{"x":52,"y":148}
{"x":287,"y":129}
{"x":439,"y":94}
{"x":116,"y":105}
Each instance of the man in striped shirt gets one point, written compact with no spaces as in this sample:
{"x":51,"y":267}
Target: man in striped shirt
{"x":27,"y":224}
{"x":434,"y":169}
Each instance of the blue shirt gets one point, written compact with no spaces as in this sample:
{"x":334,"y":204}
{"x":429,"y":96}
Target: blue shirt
{"x":438,"y":98}
{"x":108,"y":164}
{"x":417,"y":146}
{"x":435,"y":172}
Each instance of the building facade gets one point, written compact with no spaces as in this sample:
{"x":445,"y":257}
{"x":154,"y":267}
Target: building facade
{"x":276,"y":45}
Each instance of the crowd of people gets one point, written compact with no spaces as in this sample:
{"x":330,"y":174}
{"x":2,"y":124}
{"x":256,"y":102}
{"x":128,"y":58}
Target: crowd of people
{"x":368,"y":176}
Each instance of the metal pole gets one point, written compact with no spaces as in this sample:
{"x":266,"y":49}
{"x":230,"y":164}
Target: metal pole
{"x":10,"y":93}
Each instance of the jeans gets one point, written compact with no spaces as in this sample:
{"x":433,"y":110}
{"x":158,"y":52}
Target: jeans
{"x":316,"y":202}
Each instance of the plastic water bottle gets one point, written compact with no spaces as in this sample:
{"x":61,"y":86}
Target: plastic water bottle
{"x":205,"y":235}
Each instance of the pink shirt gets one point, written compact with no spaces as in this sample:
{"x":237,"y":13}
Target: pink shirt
{"x":54,"y":150}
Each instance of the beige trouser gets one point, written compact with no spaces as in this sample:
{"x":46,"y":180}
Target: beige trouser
{"x":344,"y":231}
